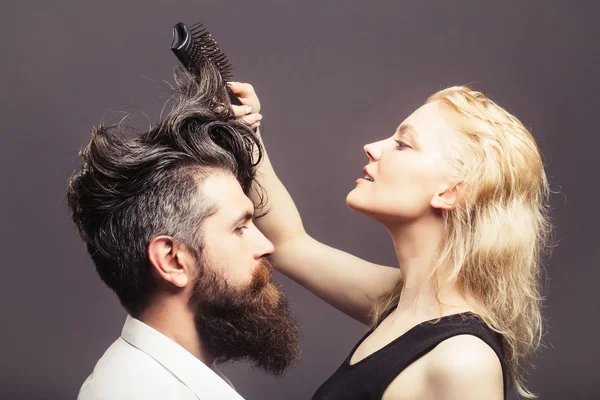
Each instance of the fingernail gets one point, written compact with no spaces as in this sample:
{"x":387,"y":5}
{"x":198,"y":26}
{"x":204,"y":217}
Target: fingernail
{"x":232,"y":83}
{"x":259,"y":117}
{"x":248,"y":109}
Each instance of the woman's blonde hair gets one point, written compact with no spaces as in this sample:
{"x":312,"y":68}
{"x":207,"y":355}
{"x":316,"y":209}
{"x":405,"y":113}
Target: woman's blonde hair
{"x":496,"y":236}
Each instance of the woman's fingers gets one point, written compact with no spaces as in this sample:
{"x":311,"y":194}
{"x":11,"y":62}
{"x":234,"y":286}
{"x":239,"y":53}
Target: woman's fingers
{"x":245,"y":92}
{"x":252,"y":119}
{"x":245,"y":113}
{"x":241,"y":89}
{"x":249,"y":111}
{"x":240,"y":111}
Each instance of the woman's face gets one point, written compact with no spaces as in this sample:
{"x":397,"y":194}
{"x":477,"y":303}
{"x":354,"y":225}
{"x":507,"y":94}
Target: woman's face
{"x":405,"y":174}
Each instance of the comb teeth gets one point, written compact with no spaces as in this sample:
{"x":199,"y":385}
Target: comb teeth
{"x":203,"y":48}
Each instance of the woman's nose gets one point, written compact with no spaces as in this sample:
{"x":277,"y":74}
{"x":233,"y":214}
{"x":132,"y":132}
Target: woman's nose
{"x":373,"y":151}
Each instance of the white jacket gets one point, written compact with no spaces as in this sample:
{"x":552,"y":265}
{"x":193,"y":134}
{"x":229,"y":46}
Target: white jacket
{"x":145,"y":364}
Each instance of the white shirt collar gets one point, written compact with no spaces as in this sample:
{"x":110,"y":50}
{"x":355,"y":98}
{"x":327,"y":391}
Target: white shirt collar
{"x":192,"y":372}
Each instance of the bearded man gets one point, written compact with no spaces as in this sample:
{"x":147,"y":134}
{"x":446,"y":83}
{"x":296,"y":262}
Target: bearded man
{"x":167,"y":220}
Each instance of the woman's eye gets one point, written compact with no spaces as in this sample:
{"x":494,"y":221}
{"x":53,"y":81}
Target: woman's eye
{"x":401,"y":144}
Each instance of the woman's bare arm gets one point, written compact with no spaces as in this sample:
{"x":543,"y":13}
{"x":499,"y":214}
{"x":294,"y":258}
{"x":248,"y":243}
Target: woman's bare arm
{"x":346,"y":282}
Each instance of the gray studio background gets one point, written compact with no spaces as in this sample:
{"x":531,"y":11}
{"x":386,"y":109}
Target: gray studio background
{"x":331,"y":75}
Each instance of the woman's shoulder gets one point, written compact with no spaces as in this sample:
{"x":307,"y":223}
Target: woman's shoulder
{"x":465,"y":365}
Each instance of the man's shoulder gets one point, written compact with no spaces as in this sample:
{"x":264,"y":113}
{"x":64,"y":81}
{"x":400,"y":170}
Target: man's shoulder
{"x":125,"y":372}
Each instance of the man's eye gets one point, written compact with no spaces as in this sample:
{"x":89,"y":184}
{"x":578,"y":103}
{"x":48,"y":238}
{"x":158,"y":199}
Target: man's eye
{"x":240,"y":229}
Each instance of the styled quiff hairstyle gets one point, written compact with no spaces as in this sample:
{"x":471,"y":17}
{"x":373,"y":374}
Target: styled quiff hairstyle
{"x":495,"y":238}
{"x":132,"y":189}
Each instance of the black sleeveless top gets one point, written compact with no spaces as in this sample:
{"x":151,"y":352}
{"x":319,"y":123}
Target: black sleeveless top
{"x":368,"y":378}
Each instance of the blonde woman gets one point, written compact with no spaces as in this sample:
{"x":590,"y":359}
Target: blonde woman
{"x":461,"y":189}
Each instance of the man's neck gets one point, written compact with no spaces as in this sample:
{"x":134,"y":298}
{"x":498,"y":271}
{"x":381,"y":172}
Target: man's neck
{"x":173,"y":319}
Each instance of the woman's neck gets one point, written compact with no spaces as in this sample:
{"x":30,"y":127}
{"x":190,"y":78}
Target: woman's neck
{"x":417,"y":245}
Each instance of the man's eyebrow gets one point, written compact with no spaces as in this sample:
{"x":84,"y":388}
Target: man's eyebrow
{"x":246,"y":216}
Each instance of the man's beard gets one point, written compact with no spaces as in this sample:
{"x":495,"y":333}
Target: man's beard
{"x":251,"y":323}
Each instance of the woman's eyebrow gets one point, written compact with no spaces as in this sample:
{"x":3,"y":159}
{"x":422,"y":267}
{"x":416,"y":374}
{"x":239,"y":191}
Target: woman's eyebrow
{"x":407,"y":128}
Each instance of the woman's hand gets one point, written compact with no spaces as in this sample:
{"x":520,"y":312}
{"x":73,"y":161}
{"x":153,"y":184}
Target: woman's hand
{"x":250,"y":110}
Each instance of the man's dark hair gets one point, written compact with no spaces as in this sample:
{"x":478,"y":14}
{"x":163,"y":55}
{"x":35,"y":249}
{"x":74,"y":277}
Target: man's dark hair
{"x":132,"y":189}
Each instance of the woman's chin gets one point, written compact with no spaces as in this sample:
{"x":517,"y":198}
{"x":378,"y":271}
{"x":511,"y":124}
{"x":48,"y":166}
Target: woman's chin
{"x":354,"y":203}
{"x":361,"y":205}
{"x":350,"y":199}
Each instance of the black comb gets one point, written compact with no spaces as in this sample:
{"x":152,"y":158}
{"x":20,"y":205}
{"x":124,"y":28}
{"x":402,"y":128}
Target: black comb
{"x":195,"y":47}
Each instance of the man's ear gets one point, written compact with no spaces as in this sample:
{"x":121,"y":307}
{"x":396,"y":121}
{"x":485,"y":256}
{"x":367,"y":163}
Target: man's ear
{"x":170,"y":260}
{"x":447,"y":197}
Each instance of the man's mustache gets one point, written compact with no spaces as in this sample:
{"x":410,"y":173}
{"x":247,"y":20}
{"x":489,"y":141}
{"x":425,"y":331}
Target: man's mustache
{"x":262,"y":275}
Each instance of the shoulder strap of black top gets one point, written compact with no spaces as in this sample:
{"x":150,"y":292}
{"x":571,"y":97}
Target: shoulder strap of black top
{"x":418,"y":342}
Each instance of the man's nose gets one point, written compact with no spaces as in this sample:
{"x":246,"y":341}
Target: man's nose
{"x":264,"y":246}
